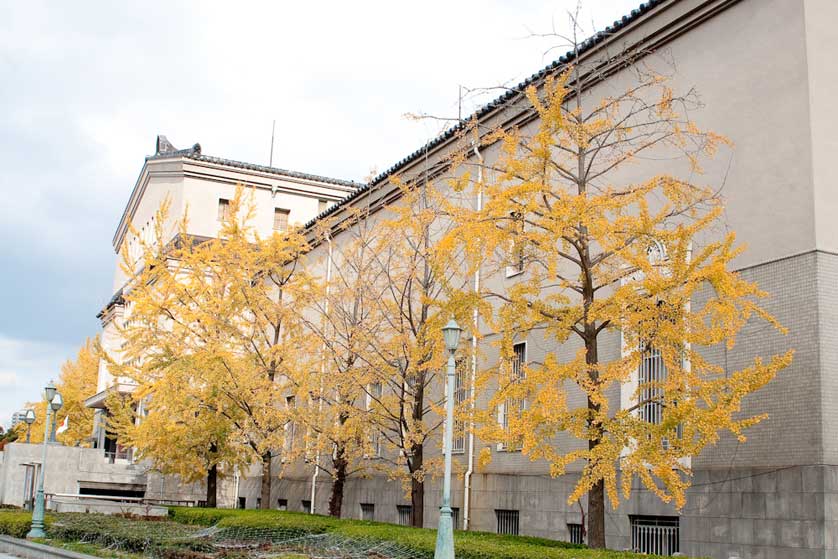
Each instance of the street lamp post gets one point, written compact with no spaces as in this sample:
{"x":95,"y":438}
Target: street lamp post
{"x":445,"y":533}
{"x":37,"y":530}
{"x":57,"y":403}
{"x":29,"y":419}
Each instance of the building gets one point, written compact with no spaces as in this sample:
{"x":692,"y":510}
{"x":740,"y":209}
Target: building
{"x":18,"y":417}
{"x":774,"y":496}
{"x":765,"y":74}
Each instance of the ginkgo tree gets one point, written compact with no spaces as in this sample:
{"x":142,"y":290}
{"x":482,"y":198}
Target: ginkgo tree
{"x":582,"y":253}
{"x":406,"y":355}
{"x":341,"y":315}
{"x":76,"y":382}
{"x":221,"y":310}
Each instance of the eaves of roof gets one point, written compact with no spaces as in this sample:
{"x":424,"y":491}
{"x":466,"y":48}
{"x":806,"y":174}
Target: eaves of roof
{"x":198,"y":156}
{"x":552,"y":68}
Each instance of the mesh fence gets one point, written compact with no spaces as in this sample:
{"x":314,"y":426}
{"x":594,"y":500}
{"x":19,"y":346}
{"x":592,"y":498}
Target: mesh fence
{"x":170,"y":540}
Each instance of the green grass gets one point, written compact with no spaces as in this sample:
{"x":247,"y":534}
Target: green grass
{"x":468,"y":545}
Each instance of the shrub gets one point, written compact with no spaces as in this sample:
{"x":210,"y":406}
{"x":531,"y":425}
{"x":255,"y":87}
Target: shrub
{"x":15,"y":523}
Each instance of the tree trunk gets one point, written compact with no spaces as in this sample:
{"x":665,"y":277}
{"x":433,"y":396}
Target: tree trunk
{"x":596,"y":515}
{"x":266,"y":481}
{"x":417,"y":488}
{"x":212,"y":486}
{"x":340,"y":464}
{"x":596,"y":496}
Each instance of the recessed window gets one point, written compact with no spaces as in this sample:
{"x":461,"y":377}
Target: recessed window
{"x":367,"y":511}
{"x":460,"y":395}
{"x":404,"y":512}
{"x":281,"y":219}
{"x":513,"y":406}
{"x":223,"y":209}
{"x":306,"y":506}
{"x":455,"y":517}
{"x":656,"y":535}
{"x":373,"y":398}
{"x":242,"y":502}
{"x":507,"y":521}
{"x":282,"y":504}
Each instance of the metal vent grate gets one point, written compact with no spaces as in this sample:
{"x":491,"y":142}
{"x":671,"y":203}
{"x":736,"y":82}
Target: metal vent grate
{"x":507,"y":521}
{"x":659,"y":535}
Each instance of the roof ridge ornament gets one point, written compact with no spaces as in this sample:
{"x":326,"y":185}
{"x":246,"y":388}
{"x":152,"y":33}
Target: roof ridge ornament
{"x":163,"y":145}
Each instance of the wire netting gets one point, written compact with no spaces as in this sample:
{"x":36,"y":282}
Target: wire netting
{"x":164,"y":539}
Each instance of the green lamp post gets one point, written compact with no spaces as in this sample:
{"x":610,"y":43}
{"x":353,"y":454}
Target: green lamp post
{"x":53,"y":405}
{"x":445,"y":532}
{"x":29,"y":419}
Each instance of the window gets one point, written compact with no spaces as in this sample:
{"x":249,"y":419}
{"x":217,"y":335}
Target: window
{"x":516,"y":260}
{"x":404,"y":512}
{"x":374,"y":396}
{"x":651,"y":375}
{"x":460,"y":395}
{"x":577,"y":533}
{"x":507,"y":522}
{"x":657,"y":535}
{"x":223,"y":209}
{"x":367,"y":511}
{"x":322,"y":206}
{"x":512,"y":406}
{"x":455,"y":517}
{"x":306,"y":506}
{"x":290,"y":426}
{"x":282,"y":504}
{"x":281,"y":219}
{"x":242,"y":502}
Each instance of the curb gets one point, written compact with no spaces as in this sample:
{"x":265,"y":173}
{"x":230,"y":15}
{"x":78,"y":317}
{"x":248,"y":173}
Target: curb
{"x":32,"y":550}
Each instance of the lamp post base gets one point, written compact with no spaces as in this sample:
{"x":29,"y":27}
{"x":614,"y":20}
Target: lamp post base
{"x":445,"y":535}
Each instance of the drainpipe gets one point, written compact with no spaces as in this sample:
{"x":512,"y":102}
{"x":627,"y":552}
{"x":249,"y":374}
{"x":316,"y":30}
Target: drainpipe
{"x":475,"y":324}
{"x":314,"y":476}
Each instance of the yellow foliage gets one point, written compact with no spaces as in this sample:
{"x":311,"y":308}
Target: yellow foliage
{"x":639,"y":259}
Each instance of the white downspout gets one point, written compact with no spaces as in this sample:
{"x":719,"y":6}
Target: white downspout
{"x":475,"y":325}
{"x":314,"y":476}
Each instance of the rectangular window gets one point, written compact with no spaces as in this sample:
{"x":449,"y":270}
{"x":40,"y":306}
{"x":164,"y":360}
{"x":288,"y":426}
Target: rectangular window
{"x":507,"y":522}
{"x":281,"y":219}
{"x":223,"y":209}
{"x":455,"y":517}
{"x":306,"y":506}
{"x":322,"y":206}
{"x":290,"y":426}
{"x":651,"y":376}
{"x":242,"y":502}
{"x":460,"y":395}
{"x":516,"y":260}
{"x":367,"y":511}
{"x":404,"y":512}
{"x":513,"y":406}
{"x":282,"y":504}
{"x":657,"y":535}
{"x":577,"y":534}
{"x":374,"y":396}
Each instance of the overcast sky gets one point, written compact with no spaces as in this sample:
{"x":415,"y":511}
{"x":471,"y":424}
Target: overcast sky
{"x":85,"y":87}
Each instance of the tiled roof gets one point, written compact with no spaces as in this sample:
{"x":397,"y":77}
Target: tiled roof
{"x":195,"y":153}
{"x":584,"y":46}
